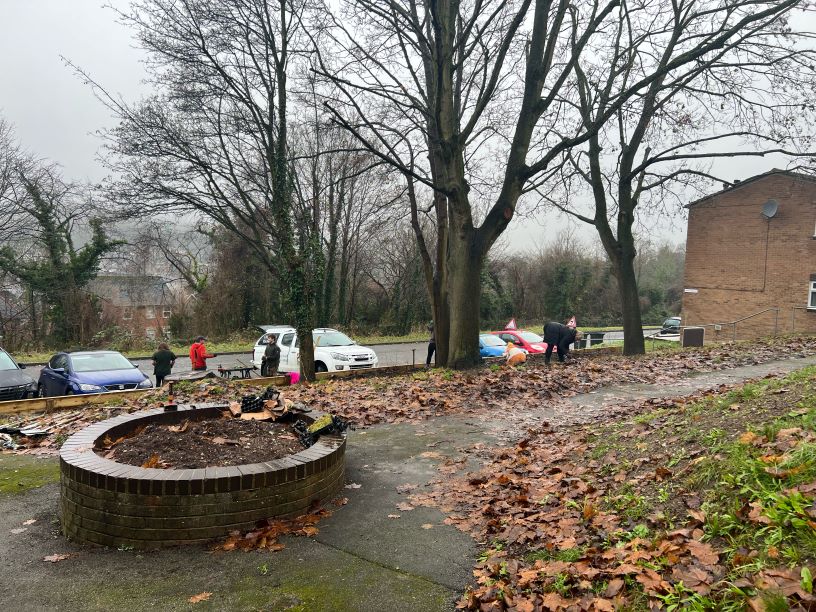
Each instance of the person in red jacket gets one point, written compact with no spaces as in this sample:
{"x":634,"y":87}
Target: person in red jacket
{"x":198,"y":354}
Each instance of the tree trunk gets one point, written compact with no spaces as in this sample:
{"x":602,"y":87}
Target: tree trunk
{"x":306,"y":356}
{"x":464,"y":268}
{"x":633,"y":342}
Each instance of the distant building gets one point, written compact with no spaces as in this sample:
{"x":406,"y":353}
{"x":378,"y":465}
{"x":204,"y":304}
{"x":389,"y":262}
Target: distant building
{"x":141,"y":304}
{"x":750,"y":248}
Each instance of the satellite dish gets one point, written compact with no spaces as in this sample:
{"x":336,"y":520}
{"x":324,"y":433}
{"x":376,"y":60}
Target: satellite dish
{"x":770,"y":208}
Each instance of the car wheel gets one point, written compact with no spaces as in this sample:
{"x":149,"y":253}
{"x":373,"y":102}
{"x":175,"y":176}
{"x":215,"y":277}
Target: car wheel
{"x":320,"y":367}
{"x":69,"y":391}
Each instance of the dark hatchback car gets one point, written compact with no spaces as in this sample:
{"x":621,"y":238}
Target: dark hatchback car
{"x":90,"y":372}
{"x":14,"y":383}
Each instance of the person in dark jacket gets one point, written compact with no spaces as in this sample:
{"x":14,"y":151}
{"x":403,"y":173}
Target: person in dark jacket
{"x":271,"y":357}
{"x":558,"y":335}
{"x":431,"y":346}
{"x":163,"y":361}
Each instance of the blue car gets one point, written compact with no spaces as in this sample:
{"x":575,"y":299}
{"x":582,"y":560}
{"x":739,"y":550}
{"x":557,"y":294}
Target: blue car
{"x":491,"y":345}
{"x":90,"y":372}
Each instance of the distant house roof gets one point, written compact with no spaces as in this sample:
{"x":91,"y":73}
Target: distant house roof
{"x":122,"y":290}
{"x":753,"y":179}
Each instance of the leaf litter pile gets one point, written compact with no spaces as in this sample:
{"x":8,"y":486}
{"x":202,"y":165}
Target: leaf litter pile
{"x":424,"y":395}
{"x":211,"y":443}
{"x":704,"y":503}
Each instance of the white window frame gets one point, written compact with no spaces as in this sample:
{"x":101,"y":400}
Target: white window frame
{"x":150,"y":333}
{"x":127,"y":313}
{"x":167,"y":312}
{"x":811,"y":302}
{"x":150,"y":312}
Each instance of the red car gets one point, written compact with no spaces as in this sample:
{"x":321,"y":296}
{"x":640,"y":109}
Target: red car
{"x":529,"y":341}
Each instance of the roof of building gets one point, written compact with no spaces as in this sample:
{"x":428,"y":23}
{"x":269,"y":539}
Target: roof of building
{"x":124,"y":290}
{"x":753,"y":179}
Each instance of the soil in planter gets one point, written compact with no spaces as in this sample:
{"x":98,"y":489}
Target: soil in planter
{"x":212,"y":443}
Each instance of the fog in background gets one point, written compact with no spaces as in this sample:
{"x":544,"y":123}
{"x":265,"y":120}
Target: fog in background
{"x":56,"y":115}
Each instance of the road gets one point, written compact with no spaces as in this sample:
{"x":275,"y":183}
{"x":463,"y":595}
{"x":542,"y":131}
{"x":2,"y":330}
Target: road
{"x":388,"y":354}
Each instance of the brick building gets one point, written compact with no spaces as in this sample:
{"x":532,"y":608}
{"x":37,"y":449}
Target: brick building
{"x":141,"y":304}
{"x":752,"y":247}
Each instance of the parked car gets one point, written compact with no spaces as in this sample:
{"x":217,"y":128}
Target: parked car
{"x":90,"y":372}
{"x":491,"y":346}
{"x":14,"y":383}
{"x":527,"y":340}
{"x":671,"y":326}
{"x":334,"y":351}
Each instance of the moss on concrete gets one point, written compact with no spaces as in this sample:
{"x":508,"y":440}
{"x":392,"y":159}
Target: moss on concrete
{"x":314,"y":579}
{"x":20,"y":473}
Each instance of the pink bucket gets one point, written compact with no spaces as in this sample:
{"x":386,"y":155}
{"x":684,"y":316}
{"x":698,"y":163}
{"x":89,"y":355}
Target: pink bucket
{"x":294,"y":377}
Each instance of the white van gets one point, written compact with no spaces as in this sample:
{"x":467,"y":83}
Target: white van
{"x":334,"y":351}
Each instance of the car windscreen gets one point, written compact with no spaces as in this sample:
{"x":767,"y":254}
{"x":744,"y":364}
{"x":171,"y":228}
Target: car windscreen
{"x":6,"y":362}
{"x":491,"y":340}
{"x":331,"y":339}
{"x":100,"y":361}
{"x":531,"y":337}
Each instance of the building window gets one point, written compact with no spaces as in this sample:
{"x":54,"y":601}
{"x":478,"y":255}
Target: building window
{"x":150,"y":332}
{"x":127,"y":313}
{"x":812,"y":296}
{"x":166,"y":313}
{"x":150,"y":312}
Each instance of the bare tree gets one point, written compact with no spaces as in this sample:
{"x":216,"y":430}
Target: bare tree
{"x":476,"y":102}
{"x":214,"y":139}
{"x":749,"y":94}
{"x":185,"y":253}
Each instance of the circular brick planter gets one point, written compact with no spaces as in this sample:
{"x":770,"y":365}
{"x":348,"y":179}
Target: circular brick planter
{"x":109,"y":503}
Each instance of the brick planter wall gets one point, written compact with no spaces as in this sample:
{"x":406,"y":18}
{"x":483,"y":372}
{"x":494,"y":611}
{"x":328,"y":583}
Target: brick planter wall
{"x":109,"y":503}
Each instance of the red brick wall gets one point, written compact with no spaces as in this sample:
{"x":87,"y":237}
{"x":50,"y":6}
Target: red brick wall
{"x":740,"y":263}
{"x":138,"y":321}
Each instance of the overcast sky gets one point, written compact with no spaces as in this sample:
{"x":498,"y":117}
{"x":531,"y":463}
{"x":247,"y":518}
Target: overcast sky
{"x":56,"y":115}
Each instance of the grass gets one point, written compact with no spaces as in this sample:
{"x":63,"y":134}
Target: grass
{"x":19,"y":473}
{"x":741,"y":455}
{"x":655,"y":345}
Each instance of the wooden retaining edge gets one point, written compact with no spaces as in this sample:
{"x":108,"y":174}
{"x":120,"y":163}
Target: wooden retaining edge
{"x":66,"y":402}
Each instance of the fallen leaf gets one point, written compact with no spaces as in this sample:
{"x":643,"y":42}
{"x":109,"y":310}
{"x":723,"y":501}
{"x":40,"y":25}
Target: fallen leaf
{"x":405,"y":488}
{"x":200,"y":597}
{"x":394,"y":516}
{"x":427,"y":526}
{"x":29,"y":522}
{"x":179,"y":428}
{"x":18,"y":530}
{"x":431,"y":455}
{"x":152,"y":462}
{"x":748,"y":437}
{"x":404,"y":507}
{"x":56,"y":558}
{"x":662,"y":473}
{"x":353,"y":485}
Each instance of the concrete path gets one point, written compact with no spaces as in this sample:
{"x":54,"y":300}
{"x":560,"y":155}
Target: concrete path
{"x":686,"y":386}
{"x":362,"y":559}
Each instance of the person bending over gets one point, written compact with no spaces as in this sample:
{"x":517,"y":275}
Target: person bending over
{"x":560,"y":336}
